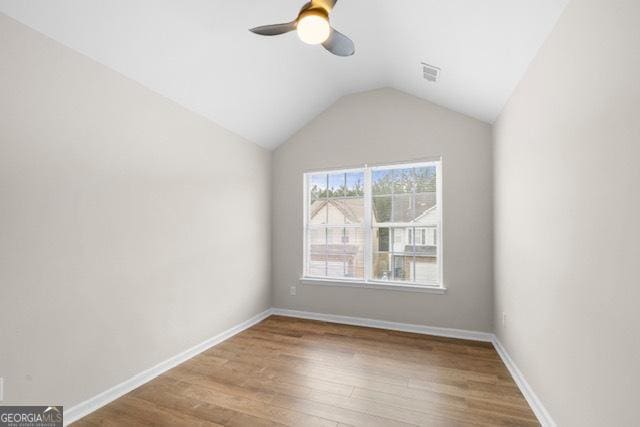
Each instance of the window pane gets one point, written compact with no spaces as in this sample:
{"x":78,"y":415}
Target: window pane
{"x":425,"y":179}
{"x":381,"y":268}
{"x":426,"y":236}
{"x":405,"y":195}
{"x":335,"y":237}
{"x":335,"y":252}
{"x":425,"y":198}
{"x":400,"y":239}
{"x":354,"y":249}
{"x":345,"y":211}
{"x":381,"y":239}
{"x":336,"y":198}
{"x":402,"y":208}
{"x":317,"y":186}
{"x":345,"y":252}
{"x":397,"y":240}
{"x":337,"y":185}
{"x":317,"y":252}
{"x":426,"y":258}
{"x":426,"y":208}
{"x":355,"y":184}
{"x":392,"y":267}
{"x":403,"y":180}
{"x":426,"y":270}
{"x":402,"y":267}
{"x":381,"y":208}
{"x":405,"y":254}
{"x":318,"y":212}
{"x":381,"y":182}
{"x":317,"y":265}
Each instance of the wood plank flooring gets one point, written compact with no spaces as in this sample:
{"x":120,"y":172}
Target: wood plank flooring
{"x":295,"y":372}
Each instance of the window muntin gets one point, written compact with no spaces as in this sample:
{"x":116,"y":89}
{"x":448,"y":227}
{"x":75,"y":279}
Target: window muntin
{"x":375,"y":224}
{"x":334,"y":230}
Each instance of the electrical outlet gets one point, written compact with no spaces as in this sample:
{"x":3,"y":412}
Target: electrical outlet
{"x":292,"y":290}
{"x":504,"y":319}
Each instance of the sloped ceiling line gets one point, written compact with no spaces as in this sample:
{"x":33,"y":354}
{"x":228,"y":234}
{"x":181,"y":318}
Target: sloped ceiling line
{"x":200,"y":53}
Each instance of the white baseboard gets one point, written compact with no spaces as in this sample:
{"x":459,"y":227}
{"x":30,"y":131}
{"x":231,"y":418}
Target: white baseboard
{"x":536,"y":404}
{"x":383,"y":324}
{"x":80,"y":410}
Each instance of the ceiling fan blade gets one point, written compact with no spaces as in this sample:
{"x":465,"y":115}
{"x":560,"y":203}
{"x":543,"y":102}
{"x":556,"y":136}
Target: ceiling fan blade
{"x":275,"y":29}
{"x":325,"y":4}
{"x":339,"y":44}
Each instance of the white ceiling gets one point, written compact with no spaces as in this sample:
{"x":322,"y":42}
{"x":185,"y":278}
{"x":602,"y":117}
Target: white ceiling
{"x":201,"y":54}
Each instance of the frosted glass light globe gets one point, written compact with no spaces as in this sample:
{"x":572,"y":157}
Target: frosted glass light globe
{"x":313,"y":29}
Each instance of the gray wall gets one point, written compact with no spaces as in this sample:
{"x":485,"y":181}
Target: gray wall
{"x":388,"y":126}
{"x":567,"y":205}
{"x":130,"y":228}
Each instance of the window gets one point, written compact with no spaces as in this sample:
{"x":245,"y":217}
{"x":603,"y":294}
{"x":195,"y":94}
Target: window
{"x":335,"y":225}
{"x":374,"y":225}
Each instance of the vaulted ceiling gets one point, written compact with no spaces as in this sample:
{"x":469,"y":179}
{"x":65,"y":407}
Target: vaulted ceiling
{"x":200,"y":53}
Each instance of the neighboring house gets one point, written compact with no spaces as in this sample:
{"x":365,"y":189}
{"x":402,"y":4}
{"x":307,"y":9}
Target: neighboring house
{"x":337,"y":252}
{"x":401,"y":253}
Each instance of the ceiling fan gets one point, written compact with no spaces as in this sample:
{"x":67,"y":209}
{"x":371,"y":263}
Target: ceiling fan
{"x":312,"y":26}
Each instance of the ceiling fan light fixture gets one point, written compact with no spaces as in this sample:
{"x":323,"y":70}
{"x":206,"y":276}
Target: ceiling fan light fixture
{"x":313,"y":27}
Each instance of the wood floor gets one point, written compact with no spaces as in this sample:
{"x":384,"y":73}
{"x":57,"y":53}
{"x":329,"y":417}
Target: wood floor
{"x":295,"y":372}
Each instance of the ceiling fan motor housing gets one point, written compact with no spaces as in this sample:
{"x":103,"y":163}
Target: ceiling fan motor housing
{"x":313,"y":11}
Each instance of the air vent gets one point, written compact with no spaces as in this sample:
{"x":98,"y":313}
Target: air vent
{"x":430,"y":73}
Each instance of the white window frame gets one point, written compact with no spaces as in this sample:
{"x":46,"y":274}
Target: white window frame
{"x":368,"y":226}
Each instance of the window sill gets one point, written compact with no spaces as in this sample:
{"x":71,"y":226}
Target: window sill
{"x":429,"y":289}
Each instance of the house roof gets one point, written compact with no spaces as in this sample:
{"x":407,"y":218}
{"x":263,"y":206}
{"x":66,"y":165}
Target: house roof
{"x":404,"y":211}
{"x":353,"y":208}
{"x":201,"y":54}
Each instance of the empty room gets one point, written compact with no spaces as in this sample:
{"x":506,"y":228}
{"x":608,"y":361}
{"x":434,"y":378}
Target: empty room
{"x":319,"y":213}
